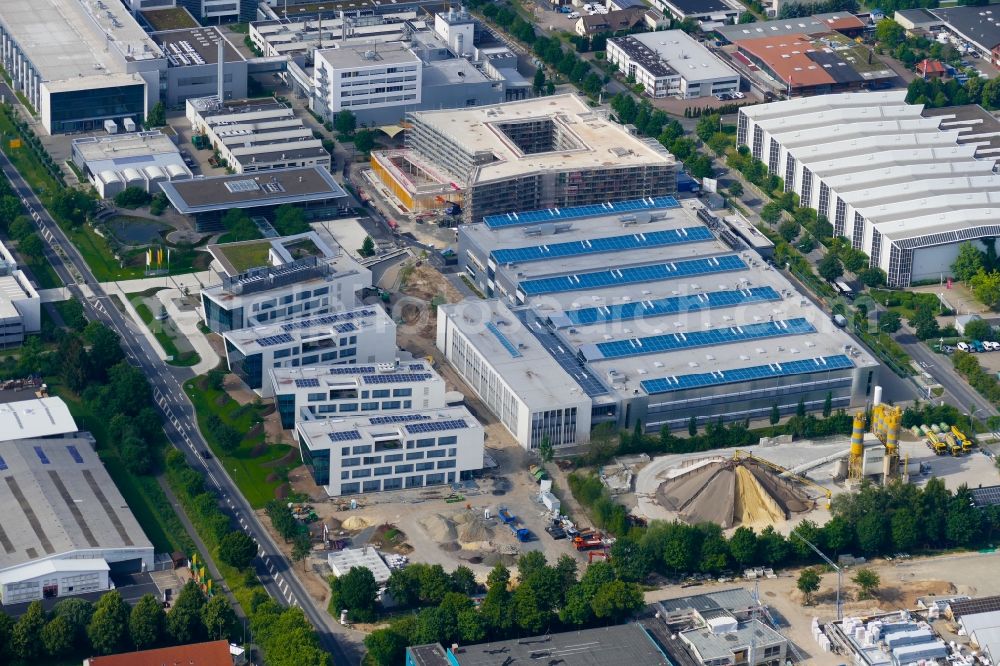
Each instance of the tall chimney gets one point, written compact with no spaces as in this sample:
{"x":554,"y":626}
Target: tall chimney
{"x":222,"y":71}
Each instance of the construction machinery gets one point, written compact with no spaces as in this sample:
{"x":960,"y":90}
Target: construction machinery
{"x":935,"y":444}
{"x":884,"y":424}
{"x":962,"y":439}
{"x":588,"y":542}
{"x":782,"y":471}
{"x":505,"y":516}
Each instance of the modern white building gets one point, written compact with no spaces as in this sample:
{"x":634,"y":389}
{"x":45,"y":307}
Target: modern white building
{"x":334,"y":391}
{"x":362,"y":77}
{"x":140,"y":159}
{"x":36,"y":418}
{"x":371,"y":453}
{"x":256,"y":135}
{"x":906,"y":189}
{"x":65,"y":527}
{"x":360,"y":335}
{"x":671,"y":62}
{"x":20,"y":305}
{"x":646,"y":311}
{"x":306,"y":274}
{"x":196,"y":57}
{"x":220,"y":11}
{"x":342,"y":561}
{"x":707,"y":13}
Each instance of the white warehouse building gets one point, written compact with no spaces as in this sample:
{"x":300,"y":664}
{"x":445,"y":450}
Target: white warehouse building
{"x":20,"y":304}
{"x":672,"y":62}
{"x":335,"y":391}
{"x":900,"y":186}
{"x":366,"y":454}
{"x":66,"y":527}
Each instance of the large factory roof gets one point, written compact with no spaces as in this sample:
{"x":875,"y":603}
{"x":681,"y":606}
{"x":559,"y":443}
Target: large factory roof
{"x":73,"y":39}
{"x":680,"y":52}
{"x":58,"y":497}
{"x":197,"y":46}
{"x":587,"y":138}
{"x":272,"y":188}
{"x":39,"y":417}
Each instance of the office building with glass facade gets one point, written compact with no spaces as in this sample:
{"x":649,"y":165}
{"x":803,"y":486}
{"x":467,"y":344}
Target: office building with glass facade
{"x":372,"y":453}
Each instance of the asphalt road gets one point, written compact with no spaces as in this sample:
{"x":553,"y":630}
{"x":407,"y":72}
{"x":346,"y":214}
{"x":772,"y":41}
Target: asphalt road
{"x":180,"y":425}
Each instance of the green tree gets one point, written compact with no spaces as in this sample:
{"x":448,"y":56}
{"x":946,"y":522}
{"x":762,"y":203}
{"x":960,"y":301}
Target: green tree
{"x":830,"y":268}
{"x":828,"y":405}
{"x":890,"y":321}
{"x":386,"y":647}
{"x":6,"y":631}
{"x":743,"y":546}
{"x":545,"y":449}
{"x":497,"y":604}
{"x":775,"y":415}
{"x":345,"y":122}
{"x":146,"y":622}
{"x":538,"y":83}
{"x":290,"y":220}
{"x":237,"y":549}
{"x":808,"y":584}
{"x":617,"y":600}
{"x":888,"y":33}
{"x":629,"y":560}
{"x":58,"y":637}
{"x":771,"y":213}
{"x":108,"y":629}
{"x":364,"y":141}
{"x":463,"y":580}
{"x":301,"y":547}
{"x":924,"y":323}
{"x":800,"y":408}
{"x":356,"y":591}
{"x":872,"y":276}
{"x":184,"y":623}
{"x":905,"y":529}
{"x":747,"y":17}
{"x":991,"y":94}
{"x":239,"y":226}
{"x":789,"y":230}
{"x":32,"y":248}
{"x":367,"y":247}
{"x":157,"y":116}
{"x":968,"y":262}
{"x":26,"y":636}
{"x":78,"y":613}
{"x":471,"y":627}
{"x":693,"y":425}
{"x":218,"y":617}
{"x":986,"y":287}
{"x":735,"y":189}
{"x":868,"y":581}
{"x":979,"y":329}
{"x":550,"y":87}
{"x":132,"y":197}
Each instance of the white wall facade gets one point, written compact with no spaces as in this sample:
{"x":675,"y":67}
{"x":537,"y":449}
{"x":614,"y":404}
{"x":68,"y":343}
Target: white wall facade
{"x":371,"y":85}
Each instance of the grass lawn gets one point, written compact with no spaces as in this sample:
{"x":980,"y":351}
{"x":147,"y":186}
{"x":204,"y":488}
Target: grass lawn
{"x":257,"y":476}
{"x":142,"y":493}
{"x":164,"y":332}
{"x":45,"y":276}
{"x":244,"y":256}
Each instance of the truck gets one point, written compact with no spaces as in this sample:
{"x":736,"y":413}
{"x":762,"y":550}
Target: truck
{"x":844,"y":289}
{"x":588,"y":542}
{"x":935,"y":444}
{"x":962,"y":439}
{"x":840,"y":320}
{"x":953,"y":446}
{"x":522,"y":534}
{"x":505,"y":516}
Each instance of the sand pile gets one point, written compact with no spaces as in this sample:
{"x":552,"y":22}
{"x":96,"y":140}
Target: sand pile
{"x":474,"y":529}
{"x":438,"y":528}
{"x":354,"y":523}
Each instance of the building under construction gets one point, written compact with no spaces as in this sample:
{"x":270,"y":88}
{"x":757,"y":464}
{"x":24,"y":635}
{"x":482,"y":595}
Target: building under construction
{"x":742,"y":490}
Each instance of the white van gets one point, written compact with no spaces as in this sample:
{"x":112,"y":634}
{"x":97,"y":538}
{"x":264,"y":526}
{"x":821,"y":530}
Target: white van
{"x":989,"y":345}
{"x":964,"y":346}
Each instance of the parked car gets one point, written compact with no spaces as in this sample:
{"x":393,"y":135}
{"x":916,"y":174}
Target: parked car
{"x":989,"y":345}
{"x":738,"y":95}
{"x":964,"y":346}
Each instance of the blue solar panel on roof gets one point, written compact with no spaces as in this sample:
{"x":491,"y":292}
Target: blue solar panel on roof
{"x":309,"y":382}
{"x":712,"y":337}
{"x":41,"y":455}
{"x":561,"y":214}
{"x":351,"y":369}
{"x":271,"y":340}
{"x":507,"y":344}
{"x":3,"y":464}
{"x":634,"y":241}
{"x":671,"y":305}
{"x":326,"y":319}
{"x":718,"y":377}
{"x":396,"y":378}
{"x":74,"y":453}
{"x":455,"y":424}
{"x":344,"y":436}
{"x":563,"y":354}
{"x":397,"y":418}
{"x":345,"y":328}
{"x":632,"y":274}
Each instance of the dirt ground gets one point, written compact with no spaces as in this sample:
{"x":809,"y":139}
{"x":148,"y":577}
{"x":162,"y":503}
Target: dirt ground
{"x":902,"y":583}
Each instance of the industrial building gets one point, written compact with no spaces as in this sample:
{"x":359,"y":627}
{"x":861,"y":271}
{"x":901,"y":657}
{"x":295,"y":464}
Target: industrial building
{"x":671,"y":63}
{"x":36,"y":418}
{"x":688,"y":321}
{"x":616,"y":645}
{"x":82,"y":66}
{"x":900,"y":186}
{"x":66,"y":527}
{"x":20,"y":305}
{"x":707,"y":13}
{"x":331,"y":391}
{"x":210,"y":653}
{"x":372,"y":453}
{"x":256,"y":135}
{"x":892,"y":639}
{"x":342,"y":561}
{"x":311,"y":189}
{"x":979,"y":27}
{"x":551,"y":152}
{"x":300,"y":275}
{"x":916,"y":19}
{"x":220,"y":11}
{"x":359,"y":335}
{"x":194,"y":57}
{"x":140,"y":159}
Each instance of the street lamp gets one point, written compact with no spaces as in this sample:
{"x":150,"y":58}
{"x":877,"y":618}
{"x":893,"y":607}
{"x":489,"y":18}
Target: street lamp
{"x":972,"y":416}
{"x":840,"y":573}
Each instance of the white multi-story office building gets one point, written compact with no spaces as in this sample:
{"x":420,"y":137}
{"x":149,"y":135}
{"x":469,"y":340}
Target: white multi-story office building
{"x":671,"y":63}
{"x":361,"y":335}
{"x":304,"y":275}
{"x":339,"y":391}
{"x":370,"y":453}
{"x":363,"y":77}
{"x":905,"y":188}
{"x":20,"y":305}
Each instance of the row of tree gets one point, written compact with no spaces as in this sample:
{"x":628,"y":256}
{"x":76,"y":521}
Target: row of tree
{"x":545,"y":598}
{"x":75,"y":627}
{"x":936,"y":93}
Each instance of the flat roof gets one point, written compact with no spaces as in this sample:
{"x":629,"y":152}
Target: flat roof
{"x":699,"y":7}
{"x":840,"y":21}
{"x":712,"y":646}
{"x":735,"y":598}
{"x":603,"y":143}
{"x":917,"y":15}
{"x":361,"y":55}
{"x":328,"y":376}
{"x":681,"y":53}
{"x":271,"y":188}
{"x":58,"y":497}
{"x":255,"y":338}
{"x":802,"y":61}
{"x":978,"y":24}
{"x":342,"y":561}
{"x":432,"y":654}
{"x":14,"y":287}
{"x":172,"y":18}
{"x":619,"y":645}
{"x":65,"y":40}
{"x":976,"y":126}
{"x":39,"y":417}
{"x":124,"y":146}
{"x":212,"y":653}
{"x":367,"y":428}
{"x":196,"y":46}
{"x":260,"y":252}
{"x":805,"y":25}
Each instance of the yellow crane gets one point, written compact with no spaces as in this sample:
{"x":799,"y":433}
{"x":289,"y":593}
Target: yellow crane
{"x":741,"y":455}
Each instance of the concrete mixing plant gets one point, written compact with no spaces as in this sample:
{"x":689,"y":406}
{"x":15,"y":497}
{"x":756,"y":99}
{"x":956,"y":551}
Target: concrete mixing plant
{"x":875,"y":454}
